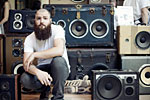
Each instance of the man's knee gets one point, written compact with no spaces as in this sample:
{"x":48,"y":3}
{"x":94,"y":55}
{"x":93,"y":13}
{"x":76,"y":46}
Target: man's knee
{"x":26,"y":80}
{"x":58,"y":62}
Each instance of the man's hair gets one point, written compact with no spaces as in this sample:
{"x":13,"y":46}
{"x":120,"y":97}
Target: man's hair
{"x":43,"y":10}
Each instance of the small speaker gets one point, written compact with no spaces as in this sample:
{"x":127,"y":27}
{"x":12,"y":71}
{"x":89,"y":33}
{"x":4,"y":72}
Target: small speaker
{"x":14,"y":53}
{"x":84,"y":60}
{"x":139,"y":64}
{"x":85,"y":25}
{"x":134,"y":39}
{"x":115,"y":85}
{"x":10,"y":88}
{"x":21,"y":21}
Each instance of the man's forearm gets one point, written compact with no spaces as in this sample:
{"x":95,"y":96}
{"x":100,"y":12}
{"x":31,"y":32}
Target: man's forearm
{"x":33,"y":70}
{"x":144,"y":13}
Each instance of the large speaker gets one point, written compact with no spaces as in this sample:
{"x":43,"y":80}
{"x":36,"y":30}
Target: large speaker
{"x":21,"y":21}
{"x":1,"y":53}
{"x":134,"y":39}
{"x":115,"y":85}
{"x":139,"y":64}
{"x":83,"y":60}
{"x":85,"y":25}
{"x":14,"y":53}
{"x":10,"y":88}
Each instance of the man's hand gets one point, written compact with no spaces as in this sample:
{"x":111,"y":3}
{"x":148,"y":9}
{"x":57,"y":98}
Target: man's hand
{"x":29,"y":61}
{"x":44,"y":78}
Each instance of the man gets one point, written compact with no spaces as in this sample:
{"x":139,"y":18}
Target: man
{"x":140,"y":10}
{"x":47,"y":44}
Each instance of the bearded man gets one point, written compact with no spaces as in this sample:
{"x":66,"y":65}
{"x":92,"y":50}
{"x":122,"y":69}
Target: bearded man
{"x":47,"y":44}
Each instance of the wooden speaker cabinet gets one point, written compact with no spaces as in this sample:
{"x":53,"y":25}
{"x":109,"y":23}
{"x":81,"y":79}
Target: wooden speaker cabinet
{"x":13,"y":51}
{"x":1,"y":53}
{"x":134,"y":39}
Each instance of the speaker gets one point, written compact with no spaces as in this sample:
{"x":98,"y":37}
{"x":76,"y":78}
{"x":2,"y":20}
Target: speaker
{"x":10,"y":88}
{"x":134,"y":39}
{"x":21,"y":21}
{"x":1,"y":53}
{"x":69,"y":2}
{"x":115,"y":85}
{"x":99,"y":1}
{"x":83,"y":60}
{"x":85,"y":25}
{"x":139,"y":64}
{"x":14,"y":53}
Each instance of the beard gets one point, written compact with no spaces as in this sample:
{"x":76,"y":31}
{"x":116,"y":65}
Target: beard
{"x":42,"y":33}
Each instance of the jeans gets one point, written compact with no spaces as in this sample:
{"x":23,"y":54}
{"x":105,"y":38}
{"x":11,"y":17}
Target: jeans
{"x":59,"y":72}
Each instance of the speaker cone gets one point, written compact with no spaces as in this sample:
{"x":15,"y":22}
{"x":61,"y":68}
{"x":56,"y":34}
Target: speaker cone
{"x":145,"y":75}
{"x":99,"y":28}
{"x":18,"y":16}
{"x":17,"y":68}
{"x":17,"y":25}
{"x":142,"y":40}
{"x":78,"y":28}
{"x":108,"y":87}
{"x":30,"y":21}
{"x":62,"y":23}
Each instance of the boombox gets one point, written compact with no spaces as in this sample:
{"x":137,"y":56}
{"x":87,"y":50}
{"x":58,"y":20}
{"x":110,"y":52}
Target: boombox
{"x":134,"y":39}
{"x":139,"y":64}
{"x":14,"y":53}
{"x":10,"y":88}
{"x":83,"y":60}
{"x":85,"y":25}
{"x":21,"y":21}
{"x":115,"y":85}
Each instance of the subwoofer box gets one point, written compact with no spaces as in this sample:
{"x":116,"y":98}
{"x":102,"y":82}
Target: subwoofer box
{"x":10,"y":88}
{"x":85,"y":25}
{"x":21,"y":21}
{"x":13,"y":52}
{"x":139,"y":64}
{"x":83,"y":60}
{"x":133,"y":39}
{"x":115,"y":85}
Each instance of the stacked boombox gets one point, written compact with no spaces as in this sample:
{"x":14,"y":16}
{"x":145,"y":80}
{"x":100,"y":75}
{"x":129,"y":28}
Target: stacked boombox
{"x":91,"y":46}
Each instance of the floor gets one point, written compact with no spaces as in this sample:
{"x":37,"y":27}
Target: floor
{"x":72,"y":97}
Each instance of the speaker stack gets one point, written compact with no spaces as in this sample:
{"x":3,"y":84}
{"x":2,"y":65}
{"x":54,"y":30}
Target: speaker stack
{"x":14,"y":53}
{"x":115,"y":85}
{"x":134,"y":47}
{"x":10,"y":88}
{"x":21,"y":21}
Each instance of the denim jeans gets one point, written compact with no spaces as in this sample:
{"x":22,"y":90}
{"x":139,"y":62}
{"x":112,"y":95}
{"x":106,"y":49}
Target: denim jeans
{"x":59,"y":72}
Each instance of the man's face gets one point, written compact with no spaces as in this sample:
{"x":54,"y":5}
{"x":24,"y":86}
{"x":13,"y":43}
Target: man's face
{"x":42,"y":25}
{"x":42,"y":19}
